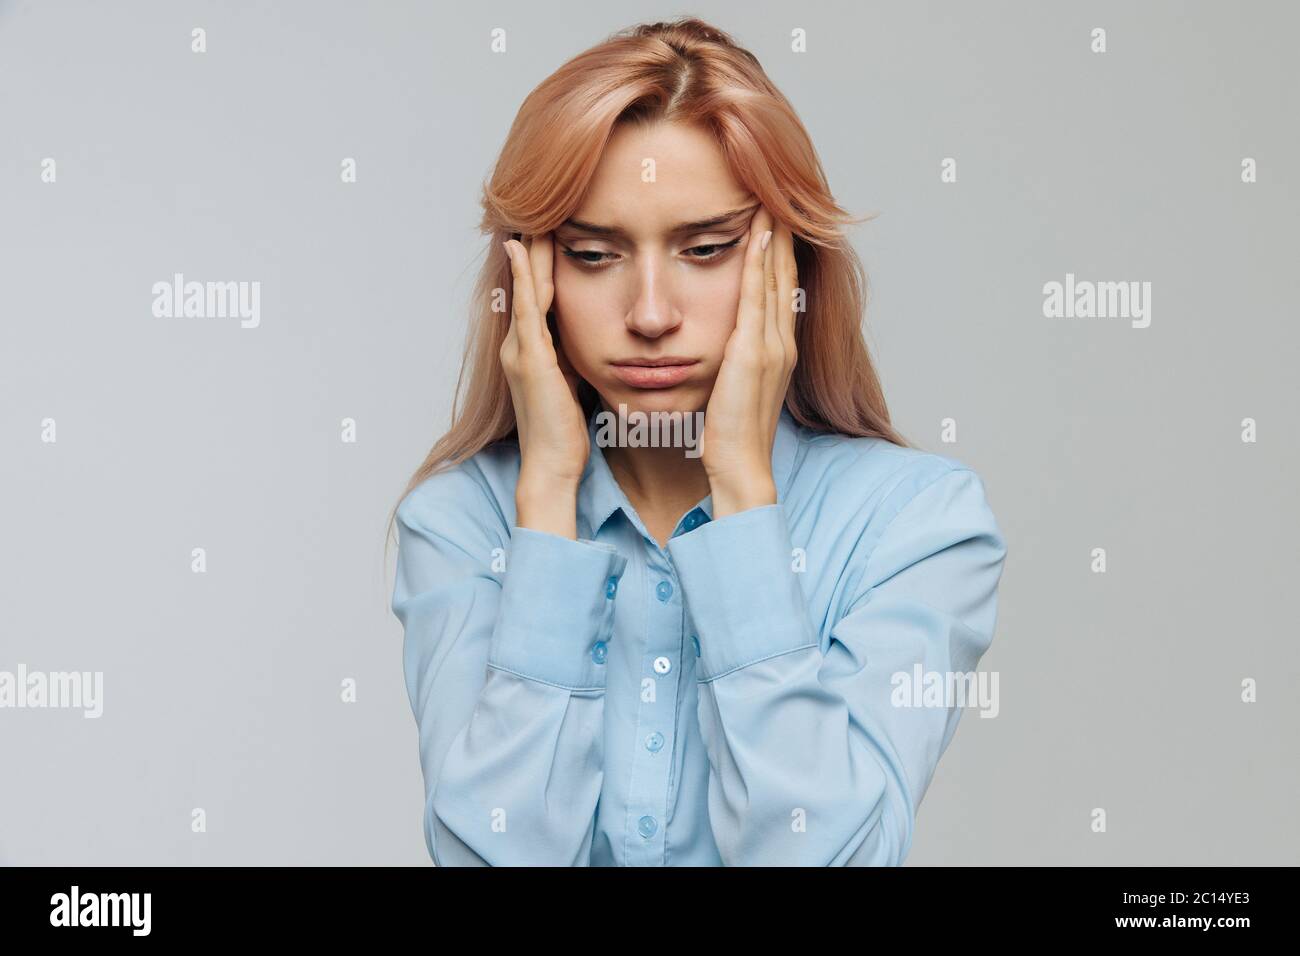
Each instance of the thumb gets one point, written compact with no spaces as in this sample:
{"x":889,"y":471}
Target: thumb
{"x":566,"y":367}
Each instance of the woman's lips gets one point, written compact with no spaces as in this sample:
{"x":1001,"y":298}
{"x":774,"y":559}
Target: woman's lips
{"x":654,"y":373}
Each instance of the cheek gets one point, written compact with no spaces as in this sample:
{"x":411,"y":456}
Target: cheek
{"x":714,"y":295}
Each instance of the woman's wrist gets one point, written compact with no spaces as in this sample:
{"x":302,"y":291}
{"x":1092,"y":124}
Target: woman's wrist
{"x":732,"y":497}
{"x":551,"y":507}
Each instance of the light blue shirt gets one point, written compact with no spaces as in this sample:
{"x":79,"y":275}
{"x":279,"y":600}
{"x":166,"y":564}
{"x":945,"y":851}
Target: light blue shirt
{"x":731,"y":699}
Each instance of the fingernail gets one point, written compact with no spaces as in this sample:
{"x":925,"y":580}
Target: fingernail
{"x":766,"y":237}
{"x":506,"y":246}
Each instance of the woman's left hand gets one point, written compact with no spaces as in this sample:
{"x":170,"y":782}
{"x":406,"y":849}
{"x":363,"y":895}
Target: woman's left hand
{"x":749,"y":392}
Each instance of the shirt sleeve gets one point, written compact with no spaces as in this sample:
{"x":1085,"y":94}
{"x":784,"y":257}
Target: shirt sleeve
{"x":813,"y":759}
{"x":505,"y":673}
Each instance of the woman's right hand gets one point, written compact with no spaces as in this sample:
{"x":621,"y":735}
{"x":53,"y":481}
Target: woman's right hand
{"x":553,"y":441}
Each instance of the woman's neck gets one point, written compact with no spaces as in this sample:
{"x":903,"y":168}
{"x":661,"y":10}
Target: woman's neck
{"x":662,"y":484}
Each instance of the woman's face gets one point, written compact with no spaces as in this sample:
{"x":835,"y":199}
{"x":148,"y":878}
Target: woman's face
{"x":646,"y":290}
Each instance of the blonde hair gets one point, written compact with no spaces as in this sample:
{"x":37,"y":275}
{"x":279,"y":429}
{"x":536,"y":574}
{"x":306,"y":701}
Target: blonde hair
{"x":685,"y":71}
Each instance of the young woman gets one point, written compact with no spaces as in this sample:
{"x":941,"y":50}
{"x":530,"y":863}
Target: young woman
{"x":621,"y":652}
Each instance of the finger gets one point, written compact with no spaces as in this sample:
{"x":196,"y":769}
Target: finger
{"x":523,"y":302}
{"x":511,"y":333}
{"x":787,"y":280}
{"x":562,"y":360}
{"x":769,"y":288}
{"x":753,"y":295}
{"x":541,"y":257}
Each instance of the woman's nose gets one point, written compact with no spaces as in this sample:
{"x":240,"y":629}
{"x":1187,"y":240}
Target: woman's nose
{"x":652,"y":313}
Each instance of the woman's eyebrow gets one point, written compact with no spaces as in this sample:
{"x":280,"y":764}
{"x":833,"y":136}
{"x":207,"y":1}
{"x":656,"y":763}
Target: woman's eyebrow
{"x":697,"y":225}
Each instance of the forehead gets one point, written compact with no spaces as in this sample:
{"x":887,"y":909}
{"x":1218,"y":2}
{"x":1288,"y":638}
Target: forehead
{"x":652,"y":177}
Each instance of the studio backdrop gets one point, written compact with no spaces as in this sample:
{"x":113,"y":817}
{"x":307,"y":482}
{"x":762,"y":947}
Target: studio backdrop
{"x":1081,"y":254}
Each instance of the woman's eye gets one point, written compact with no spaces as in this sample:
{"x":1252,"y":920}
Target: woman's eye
{"x":713,"y":250}
{"x":581,"y":255}
{"x":592,"y":259}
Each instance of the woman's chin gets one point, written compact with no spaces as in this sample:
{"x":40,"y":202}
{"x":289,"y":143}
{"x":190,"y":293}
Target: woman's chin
{"x":681,"y":398}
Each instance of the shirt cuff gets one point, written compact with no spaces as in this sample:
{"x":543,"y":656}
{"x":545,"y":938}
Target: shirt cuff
{"x":557,"y":609}
{"x":741,"y":589}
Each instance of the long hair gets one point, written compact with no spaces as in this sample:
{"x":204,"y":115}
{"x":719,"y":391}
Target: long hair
{"x":691,"y":72}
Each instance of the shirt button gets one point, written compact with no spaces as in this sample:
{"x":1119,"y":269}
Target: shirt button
{"x":663,"y":665}
{"x":664,"y":591}
{"x":647,"y":826}
{"x":692,"y":520}
{"x":695,"y":641}
{"x":654,"y":742}
{"x":599,"y":651}
{"x":611,"y":588}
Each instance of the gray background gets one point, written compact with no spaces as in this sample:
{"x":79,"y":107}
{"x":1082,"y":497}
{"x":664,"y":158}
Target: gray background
{"x":1119,"y":690}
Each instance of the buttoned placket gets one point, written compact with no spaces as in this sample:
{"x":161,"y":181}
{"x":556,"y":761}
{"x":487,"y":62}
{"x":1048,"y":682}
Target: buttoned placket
{"x":657,"y":632}
{"x":657,"y":720}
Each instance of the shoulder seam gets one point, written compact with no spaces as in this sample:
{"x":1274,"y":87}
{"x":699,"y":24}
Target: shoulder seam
{"x":481,"y":492}
{"x":951,"y":470}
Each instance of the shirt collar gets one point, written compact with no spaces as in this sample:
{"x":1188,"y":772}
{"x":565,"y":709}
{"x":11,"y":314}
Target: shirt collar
{"x":599,"y":494}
